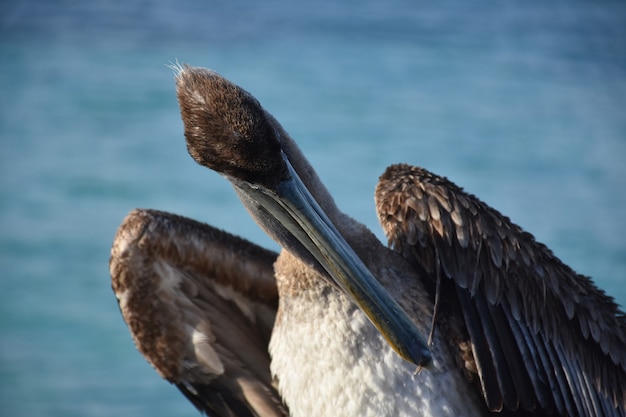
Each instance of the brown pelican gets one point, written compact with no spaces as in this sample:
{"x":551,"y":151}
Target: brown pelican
{"x":510,"y":328}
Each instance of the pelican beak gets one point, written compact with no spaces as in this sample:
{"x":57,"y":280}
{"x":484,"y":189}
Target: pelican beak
{"x":295,"y":209}
{"x":228,"y":131}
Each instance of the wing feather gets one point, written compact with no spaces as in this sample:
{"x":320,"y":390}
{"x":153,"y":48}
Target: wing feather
{"x":480,"y":348}
{"x":200,"y":305}
{"x":552,"y":339}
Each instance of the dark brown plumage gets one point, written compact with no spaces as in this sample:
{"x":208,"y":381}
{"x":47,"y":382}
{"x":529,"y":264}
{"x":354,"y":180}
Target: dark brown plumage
{"x":537,"y":327}
{"x":257,"y":159}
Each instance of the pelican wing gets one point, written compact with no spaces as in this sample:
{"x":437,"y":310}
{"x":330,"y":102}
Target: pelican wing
{"x":200,"y":305}
{"x":542,"y":336}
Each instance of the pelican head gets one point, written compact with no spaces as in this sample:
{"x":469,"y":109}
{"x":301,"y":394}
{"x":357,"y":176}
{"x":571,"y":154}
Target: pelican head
{"x":228,"y":131}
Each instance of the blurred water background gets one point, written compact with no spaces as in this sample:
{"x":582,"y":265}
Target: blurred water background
{"x":520,"y":103}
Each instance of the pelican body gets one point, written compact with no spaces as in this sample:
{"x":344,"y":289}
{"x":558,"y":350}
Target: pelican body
{"x":464,"y":314}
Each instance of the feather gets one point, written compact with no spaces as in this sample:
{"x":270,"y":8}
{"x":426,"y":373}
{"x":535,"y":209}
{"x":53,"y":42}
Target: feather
{"x":519,"y":301}
{"x":181,"y":291}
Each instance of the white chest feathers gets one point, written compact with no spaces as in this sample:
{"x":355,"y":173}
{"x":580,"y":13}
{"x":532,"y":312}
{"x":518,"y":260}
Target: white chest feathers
{"x":330,"y":361}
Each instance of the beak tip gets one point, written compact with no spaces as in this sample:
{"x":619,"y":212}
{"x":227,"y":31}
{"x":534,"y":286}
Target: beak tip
{"x":422,"y":358}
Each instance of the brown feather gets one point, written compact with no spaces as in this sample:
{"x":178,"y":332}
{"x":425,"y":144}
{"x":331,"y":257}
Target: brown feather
{"x":583,"y":329}
{"x":200,"y":305}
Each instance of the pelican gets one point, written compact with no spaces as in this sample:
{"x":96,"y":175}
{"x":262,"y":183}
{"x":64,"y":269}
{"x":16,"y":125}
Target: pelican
{"x":464,"y":314}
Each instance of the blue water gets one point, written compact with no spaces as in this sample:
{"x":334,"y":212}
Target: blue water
{"x":522,"y":104}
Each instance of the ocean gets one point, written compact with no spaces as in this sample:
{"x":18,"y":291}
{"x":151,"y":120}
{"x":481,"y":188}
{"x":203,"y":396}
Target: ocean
{"x":520,"y":103}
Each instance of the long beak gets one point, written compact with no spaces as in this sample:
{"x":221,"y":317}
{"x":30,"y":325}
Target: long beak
{"x":296,"y":210}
